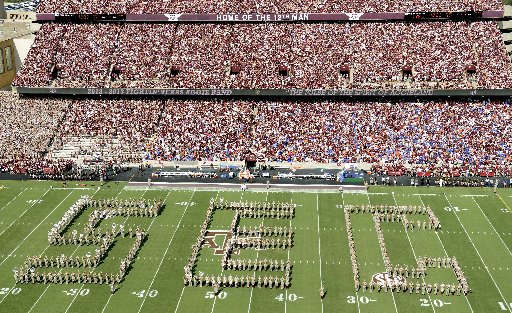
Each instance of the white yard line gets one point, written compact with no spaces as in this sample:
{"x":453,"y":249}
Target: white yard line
{"x":257,"y":255}
{"x":15,"y":249}
{"x":319,"y":254}
{"x":81,"y":287}
{"x":29,"y":235}
{"x":415,"y":258}
{"x":446,"y":254}
{"x":71,"y":188}
{"x":166,"y":250}
{"x":183,"y":290}
{"x":492,"y":226}
{"x":215,"y":298}
{"x":49,"y":284}
{"x":20,"y":216}
{"x":286,"y":290}
{"x":48,"y":246}
{"x":12,"y":200}
{"x":46,"y":289}
{"x":481,"y":259}
{"x":392,"y":293}
{"x":179,"y":300}
{"x":357,"y":292}
{"x":15,"y":283}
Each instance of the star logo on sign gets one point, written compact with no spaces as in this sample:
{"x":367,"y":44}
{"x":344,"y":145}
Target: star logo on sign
{"x":53,"y":90}
{"x":354,"y":16}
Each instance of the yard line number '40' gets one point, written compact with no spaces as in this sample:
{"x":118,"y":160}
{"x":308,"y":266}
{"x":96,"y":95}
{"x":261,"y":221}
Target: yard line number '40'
{"x":291,"y":297}
{"x":74,"y":292}
{"x":152,"y":293}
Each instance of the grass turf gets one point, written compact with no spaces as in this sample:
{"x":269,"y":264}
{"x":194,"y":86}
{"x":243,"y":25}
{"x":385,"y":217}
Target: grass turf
{"x":476,"y":228}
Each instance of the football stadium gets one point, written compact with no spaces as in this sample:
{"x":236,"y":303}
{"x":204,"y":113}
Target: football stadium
{"x":256,"y":156}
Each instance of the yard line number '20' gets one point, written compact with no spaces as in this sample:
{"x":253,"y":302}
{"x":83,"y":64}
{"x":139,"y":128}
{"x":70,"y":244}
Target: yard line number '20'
{"x":437,"y":303}
{"x":210,"y":295}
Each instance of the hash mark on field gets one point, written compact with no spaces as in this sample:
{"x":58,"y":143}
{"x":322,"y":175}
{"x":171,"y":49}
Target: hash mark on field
{"x":34,"y":228}
{"x":166,"y":250}
{"x":506,"y":247}
{"x":414,"y":253}
{"x":481,"y":259}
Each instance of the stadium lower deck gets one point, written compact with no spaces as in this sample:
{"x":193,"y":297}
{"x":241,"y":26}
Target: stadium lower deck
{"x":475,"y":229}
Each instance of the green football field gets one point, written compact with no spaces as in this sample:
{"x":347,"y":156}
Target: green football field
{"x":476,"y":229}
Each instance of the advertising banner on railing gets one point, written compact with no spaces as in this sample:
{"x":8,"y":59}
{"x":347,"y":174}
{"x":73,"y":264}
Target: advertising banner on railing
{"x":254,"y":18}
{"x":268,"y":92}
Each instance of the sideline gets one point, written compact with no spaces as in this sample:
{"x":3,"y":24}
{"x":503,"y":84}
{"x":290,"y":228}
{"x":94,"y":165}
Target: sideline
{"x":255,"y":187}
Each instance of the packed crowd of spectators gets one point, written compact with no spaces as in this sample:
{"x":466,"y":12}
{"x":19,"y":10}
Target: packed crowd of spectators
{"x":194,"y":130}
{"x":70,"y":55}
{"x":435,"y":55}
{"x":264,"y":6}
{"x":434,"y":136}
{"x":27,"y":125}
{"x":143,"y":53}
{"x":37,"y":68}
{"x":127,"y":122}
{"x":438,"y":137}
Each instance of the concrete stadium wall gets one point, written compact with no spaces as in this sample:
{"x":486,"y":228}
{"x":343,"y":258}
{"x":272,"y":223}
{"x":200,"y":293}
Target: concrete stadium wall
{"x":508,"y":11}
{"x":21,"y":47}
{"x":506,"y":25}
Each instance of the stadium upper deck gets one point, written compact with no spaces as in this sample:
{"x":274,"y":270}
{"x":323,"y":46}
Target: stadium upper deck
{"x":379,"y":55}
{"x":264,"y":6}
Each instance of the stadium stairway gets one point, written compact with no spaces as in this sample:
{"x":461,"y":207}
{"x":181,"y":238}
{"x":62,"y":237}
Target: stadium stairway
{"x":86,"y":147}
{"x":506,"y":29}
{"x":15,"y":29}
{"x":72,"y":148}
